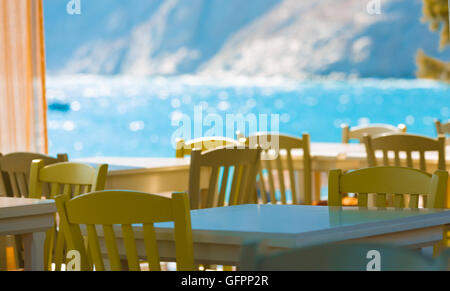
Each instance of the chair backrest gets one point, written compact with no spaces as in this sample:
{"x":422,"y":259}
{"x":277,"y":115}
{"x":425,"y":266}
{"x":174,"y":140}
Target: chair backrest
{"x":112,"y":212}
{"x":67,"y":178}
{"x":407,"y":144}
{"x":232,"y":179}
{"x":340,"y":257}
{"x":382,"y":181}
{"x":15,"y":171}
{"x":274,"y":146}
{"x":358,"y":132}
{"x":442,"y":128}
{"x":184,"y":148}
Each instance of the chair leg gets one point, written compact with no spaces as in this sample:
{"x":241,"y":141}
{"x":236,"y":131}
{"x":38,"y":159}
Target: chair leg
{"x":48,"y":248}
{"x":59,"y":251}
{"x":18,"y":251}
{"x":3,"y":263}
{"x":317,"y":186}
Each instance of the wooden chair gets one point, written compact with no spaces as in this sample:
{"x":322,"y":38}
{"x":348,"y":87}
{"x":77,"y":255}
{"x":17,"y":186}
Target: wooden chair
{"x":407,"y":143}
{"x":15,"y":168}
{"x":14,"y":178}
{"x":340,"y":257}
{"x":271,"y":162}
{"x":358,"y":132}
{"x":184,"y":148}
{"x":232,"y":179}
{"x":70,"y":179}
{"x":382,"y":181}
{"x":442,"y":128}
{"x":117,"y":211}
{"x":401,"y":184}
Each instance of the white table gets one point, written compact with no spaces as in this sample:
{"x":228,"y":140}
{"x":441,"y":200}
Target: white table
{"x":219,"y":233}
{"x":30,"y":218}
{"x":156,"y":175}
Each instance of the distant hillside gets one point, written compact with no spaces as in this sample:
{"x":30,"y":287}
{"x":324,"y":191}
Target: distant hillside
{"x":288,"y":38}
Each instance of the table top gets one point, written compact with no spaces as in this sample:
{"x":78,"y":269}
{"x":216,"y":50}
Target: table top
{"x":295,"y":225}
{"x":19,"y":207}
{"x":130,"y":165}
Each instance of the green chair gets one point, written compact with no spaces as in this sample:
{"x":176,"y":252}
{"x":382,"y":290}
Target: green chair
{"x":402,"y":184}
{"x":184,"y":148}
{"x":117,"y":211}
{"x":382,"y":181}
{"x":358,"y":132}
{"x":14,"y":178}
{"x":275,"y":168}
{"x":70,"y":179}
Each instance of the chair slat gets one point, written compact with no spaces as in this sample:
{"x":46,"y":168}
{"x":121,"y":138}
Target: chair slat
{"x":292,"y":178}
{"x":262,"y":186}
{"x":397,"y":158}
{"x":380,"y":200}
{"x":385,"y":158}
{"x":212,"y":187}
{"x":130,"y":247}
{"x":244,"y":196}
{"x":362,"y":199}
{"x":67,"y":189}
{"x":280,"y":173}
{"x":399,"y":201}
{"x":235,"y":186}
{"x":151,"y":247}
{"x":409,"y":161}
{"x":268,"y":165}
{"x":14,"y":184}
{"x":54,"y":191}
{"x":77,"y":190}
{"x":223,"y":186}
{"x":111,"y":248}
{"x":22,"y":184}
{"x":94,"y":247}
{"x":414,"y":201}
{"x":423,"y":161}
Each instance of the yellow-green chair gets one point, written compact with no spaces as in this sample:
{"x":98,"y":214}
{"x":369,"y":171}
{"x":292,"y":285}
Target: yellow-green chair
{"x":14,"y":178}
{"x":117,"y":211}
{"x":340,"y":257}
{"x":232,"y":179}
{"x":184,"y":148}
{"x":407,"y":144}
{"x":276,"y":169}
{"x":70,"y":179}
{"x":358,"y":132}
{"x":383,"y":181}
{"x":442,"y":128}
{"x":398,"y":182}
{"x":16,"y":170}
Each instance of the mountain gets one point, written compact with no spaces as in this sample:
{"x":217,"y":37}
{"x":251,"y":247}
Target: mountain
{"x":218,"y":38}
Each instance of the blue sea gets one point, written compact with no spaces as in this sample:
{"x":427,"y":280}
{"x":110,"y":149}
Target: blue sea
{"x":139,"y":117}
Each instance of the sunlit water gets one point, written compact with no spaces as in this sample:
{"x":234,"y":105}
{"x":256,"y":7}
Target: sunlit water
{"x":122,"y":116}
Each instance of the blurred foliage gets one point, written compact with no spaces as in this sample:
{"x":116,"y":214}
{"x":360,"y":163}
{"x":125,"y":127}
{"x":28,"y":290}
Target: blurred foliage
{"x":436,"y":13}
{"x":431,"y":68}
